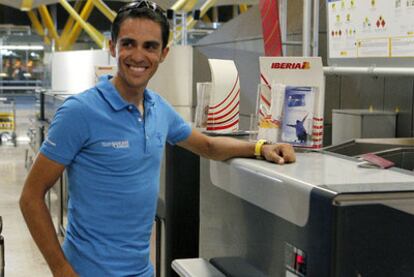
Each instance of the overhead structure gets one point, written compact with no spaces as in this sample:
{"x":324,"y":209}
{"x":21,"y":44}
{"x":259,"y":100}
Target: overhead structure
{"x":81,"y":23}
{"x":77,"y":21}
{"x":79,"y":12}
{"x":26,"y":5}
{"x":192,"y":10}
{"x":48,"y":21}
{"x":188,"y":20}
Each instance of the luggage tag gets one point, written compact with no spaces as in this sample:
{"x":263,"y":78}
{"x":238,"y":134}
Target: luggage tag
{"x":371,"y":160}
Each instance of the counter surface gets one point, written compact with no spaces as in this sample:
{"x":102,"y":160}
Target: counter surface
{"x":285,"y":190}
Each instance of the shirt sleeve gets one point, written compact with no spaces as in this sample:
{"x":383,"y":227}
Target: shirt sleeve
{"x":178,"y":128}
{"x":67,"y":133}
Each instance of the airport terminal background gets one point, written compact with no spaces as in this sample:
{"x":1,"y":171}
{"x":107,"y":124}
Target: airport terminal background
{"x":233,"y":35}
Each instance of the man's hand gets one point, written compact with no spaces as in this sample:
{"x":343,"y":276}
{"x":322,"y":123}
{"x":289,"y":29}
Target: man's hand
{"x":278,"y":153}
{"x":65,"y":270}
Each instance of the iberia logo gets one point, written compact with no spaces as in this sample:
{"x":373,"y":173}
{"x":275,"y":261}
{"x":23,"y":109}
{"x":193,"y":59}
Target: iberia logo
{"x":304,"y":65}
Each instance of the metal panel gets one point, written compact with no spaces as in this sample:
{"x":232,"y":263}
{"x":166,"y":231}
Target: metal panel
{"x":243,"y":27}
{"x":201,"y":71}
{"x":362,"y":92}
{"x":372,"y":92}
{"x":322,"y":52}
{"x":399,"y":96}
{"x":345,"y":127}
{"x":294,"y":50}
{"x":378,"y":126}
{"x":332,"y":96}
{"x":295,"y":10}
{"x":354,"y":123}
{"x":349,"y":92}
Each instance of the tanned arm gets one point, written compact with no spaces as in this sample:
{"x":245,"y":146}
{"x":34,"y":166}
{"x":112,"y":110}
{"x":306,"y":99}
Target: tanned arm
{"x":42,"y":176}
{"x":223,"y":148}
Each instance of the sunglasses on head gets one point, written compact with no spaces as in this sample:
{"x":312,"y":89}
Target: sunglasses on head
{"x":143,"y":4}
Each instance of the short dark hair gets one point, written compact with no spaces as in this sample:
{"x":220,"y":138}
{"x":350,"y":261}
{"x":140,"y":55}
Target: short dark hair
{"x":141,"y":9}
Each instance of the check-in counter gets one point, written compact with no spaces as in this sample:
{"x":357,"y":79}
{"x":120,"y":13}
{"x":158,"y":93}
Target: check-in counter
{"x":320,"y":216}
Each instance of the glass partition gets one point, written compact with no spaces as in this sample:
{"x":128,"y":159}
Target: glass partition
{"x":22,"y":60}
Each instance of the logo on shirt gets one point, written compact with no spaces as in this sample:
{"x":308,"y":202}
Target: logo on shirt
{"x":47,"y":140}
{"x":116,"y":144}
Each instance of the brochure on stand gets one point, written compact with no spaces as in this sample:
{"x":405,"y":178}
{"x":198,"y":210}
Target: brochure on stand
{"x":298,"y":113}
{"x":297,"y":99}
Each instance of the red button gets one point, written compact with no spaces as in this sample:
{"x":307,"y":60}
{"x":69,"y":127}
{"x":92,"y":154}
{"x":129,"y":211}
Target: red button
{"x":299,"y":259}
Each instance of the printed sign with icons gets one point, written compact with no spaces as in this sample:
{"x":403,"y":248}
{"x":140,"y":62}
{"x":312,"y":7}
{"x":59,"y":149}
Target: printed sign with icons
{"x":383,"y":27}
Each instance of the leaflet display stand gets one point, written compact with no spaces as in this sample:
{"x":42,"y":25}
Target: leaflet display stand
{"x":291,"y":100}
{"x":223,"y":111}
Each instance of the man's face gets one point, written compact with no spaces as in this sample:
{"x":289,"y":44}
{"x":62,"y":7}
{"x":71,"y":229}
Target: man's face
{"x":18,"y":64}
{"x":138,"y":51}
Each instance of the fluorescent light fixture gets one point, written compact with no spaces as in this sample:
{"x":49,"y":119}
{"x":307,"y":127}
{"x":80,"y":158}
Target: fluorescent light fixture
{"x":5,"y":52}
{"x":21,"y":47}
{"x":34,"y":55}
{"x":26,"y":5}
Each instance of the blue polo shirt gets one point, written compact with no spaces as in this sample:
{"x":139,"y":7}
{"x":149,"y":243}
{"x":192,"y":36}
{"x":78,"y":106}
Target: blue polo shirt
{"x":112,"y":157}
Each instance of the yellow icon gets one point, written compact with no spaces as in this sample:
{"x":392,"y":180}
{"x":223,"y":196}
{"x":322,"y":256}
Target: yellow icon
{"x":352,"y":3}
{"x":338,"y":18}
{"x":342,"y":4}
{"x":348,"y":17}
{"x":373,"y":3}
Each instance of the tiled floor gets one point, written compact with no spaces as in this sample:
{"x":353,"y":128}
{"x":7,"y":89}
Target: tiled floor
{"x":22,"y":257}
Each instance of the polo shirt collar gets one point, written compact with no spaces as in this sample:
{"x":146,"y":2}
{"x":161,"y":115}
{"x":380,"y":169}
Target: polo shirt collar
{"x":113,"y":97}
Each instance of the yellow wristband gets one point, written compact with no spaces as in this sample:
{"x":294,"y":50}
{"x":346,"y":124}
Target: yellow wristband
{"x":258,"y":147}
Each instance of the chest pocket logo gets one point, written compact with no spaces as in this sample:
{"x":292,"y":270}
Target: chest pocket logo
{"x":116,"y":144}
{"x":159,"y":140}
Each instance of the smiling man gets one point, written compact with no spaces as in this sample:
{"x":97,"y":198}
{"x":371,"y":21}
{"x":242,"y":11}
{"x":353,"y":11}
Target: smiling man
{"x":110,"y":139}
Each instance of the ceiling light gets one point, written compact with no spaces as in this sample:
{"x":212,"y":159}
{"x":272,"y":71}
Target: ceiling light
{"x":21,"y":47}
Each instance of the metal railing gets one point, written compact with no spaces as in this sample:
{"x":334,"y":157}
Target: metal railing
{"x":2,"y":263}
{"x":20,"y":85}
{"x":372,"y":71}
